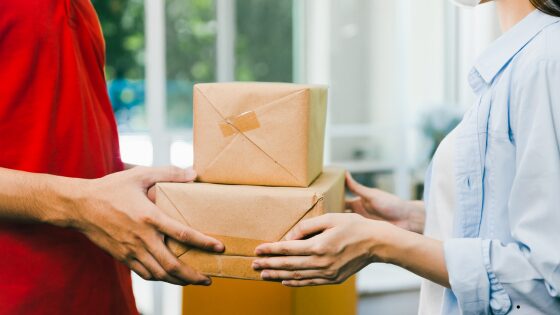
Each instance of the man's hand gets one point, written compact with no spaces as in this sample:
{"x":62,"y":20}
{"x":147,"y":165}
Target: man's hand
{"x":376,"y":204}
{"x":116,"y":214}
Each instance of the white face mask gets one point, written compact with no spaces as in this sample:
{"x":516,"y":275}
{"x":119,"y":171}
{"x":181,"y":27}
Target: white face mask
{"x":468,"y":3}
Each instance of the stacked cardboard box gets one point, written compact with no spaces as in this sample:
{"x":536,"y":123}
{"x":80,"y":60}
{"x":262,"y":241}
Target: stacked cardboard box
{"x":258,"y":151}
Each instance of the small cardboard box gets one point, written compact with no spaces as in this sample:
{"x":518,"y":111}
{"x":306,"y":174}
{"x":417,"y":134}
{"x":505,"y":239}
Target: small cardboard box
{"x":268,"y":134}
{"x":242,"y":217}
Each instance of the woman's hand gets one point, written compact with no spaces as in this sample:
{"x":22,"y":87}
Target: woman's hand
{"x":342,"y":244}
{"x":115,"y":213}
{"x":376,"y":204}
{"x":330,"y":248}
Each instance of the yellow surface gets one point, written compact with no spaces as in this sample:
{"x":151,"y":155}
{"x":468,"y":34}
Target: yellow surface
{"x":243,"y":297}
{"x":326,"y":300}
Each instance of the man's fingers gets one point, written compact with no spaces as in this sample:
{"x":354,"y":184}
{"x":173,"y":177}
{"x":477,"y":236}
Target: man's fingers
{"x":290,"y":263}
{"x":309,"y":227}
{"x":286,"y":248}
{"x":185,"y":234}
{"x":306,"y":283}
{"x":140,"y":270}
{"x":152,"y":175}
{"x":152,"y":194}
{"x":355,"y":187}
{"x":156,"y":270}
{"x":172,"y":266}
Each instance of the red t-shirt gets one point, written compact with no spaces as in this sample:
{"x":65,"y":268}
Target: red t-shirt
{"x":55,"y":117}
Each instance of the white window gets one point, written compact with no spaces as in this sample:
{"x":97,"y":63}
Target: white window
{"x":388,"y":64}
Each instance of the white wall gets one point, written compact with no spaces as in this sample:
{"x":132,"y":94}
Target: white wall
{"x":476,"y":29}
{"x":380,"y":57}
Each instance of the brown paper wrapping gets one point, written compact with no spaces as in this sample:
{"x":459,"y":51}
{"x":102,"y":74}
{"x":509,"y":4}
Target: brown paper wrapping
{"x":268,"y":134}
{"x":243,"y":217}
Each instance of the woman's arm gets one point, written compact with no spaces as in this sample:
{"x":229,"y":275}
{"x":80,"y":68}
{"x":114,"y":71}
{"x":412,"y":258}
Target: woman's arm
{"x":485,"y":275}
{"x":339,"y":245}
{"x":114,"y":212}
{"x":344,"y":243}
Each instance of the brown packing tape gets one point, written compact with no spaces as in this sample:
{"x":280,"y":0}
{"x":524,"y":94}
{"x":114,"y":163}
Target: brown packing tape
{"x":240,"y":123}
{"x":237,"y":267}
{"x":235,"y":246}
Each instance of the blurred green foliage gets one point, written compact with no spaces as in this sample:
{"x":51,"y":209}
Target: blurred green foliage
{"x":191,"y":40}
{"x":263,"y":46}
{"x":122,"y":22}
{"x":190,"y":54}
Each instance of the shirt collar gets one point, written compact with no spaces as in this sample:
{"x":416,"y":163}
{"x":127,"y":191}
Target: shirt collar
{"x":493,"y":59}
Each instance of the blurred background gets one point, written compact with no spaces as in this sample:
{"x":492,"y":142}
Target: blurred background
{"x":396,"y":70}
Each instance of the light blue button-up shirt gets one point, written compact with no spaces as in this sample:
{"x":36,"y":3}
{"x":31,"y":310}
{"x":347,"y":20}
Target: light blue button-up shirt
{"x":504,"y":256}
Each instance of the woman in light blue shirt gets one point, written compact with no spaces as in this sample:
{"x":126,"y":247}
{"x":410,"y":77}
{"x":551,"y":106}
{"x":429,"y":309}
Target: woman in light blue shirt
{"x":504,"y":251}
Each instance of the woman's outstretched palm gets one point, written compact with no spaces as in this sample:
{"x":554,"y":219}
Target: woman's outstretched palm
{"x":377,"y":204}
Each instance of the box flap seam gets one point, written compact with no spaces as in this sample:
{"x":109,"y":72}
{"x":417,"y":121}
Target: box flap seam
{"x":176,"y":209}
{"x":216,"y":158}
{"x":298,"y":220}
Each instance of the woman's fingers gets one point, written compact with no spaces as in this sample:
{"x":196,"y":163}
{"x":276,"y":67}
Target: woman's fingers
{"x":281,"y":275}
{"x":290,"y":263}
{"x":310,"y":227}
{"x":355,"y":187}
{"x":355,"y":204}
{"x":307,"y":282}
{"x":286,"y":248}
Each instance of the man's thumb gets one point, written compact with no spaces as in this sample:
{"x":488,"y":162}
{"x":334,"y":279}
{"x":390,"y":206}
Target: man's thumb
{"x":152,"y":175}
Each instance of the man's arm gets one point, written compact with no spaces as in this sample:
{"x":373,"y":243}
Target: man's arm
{"x":38,"y":197}
{"x":114,"y":212}
{"x":128,"y":166}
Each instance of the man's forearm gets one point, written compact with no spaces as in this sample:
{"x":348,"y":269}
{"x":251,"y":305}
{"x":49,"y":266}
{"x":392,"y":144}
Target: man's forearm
{"x":114,"y":213}
{"x":37,"y":197}
{"x":128,"y":166}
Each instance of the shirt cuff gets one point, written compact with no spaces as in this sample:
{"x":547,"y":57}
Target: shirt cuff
{"x":555,"y":276}
{"x":499,"y":299}
{"x":471,"y":278}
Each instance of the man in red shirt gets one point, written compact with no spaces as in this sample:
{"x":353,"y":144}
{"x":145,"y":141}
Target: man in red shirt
{"x":72,"y":222}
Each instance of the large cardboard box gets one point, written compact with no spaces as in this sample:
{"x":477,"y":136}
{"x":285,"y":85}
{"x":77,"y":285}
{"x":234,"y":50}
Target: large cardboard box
{"x":243,"y":217}
{"x":268,"y":134}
